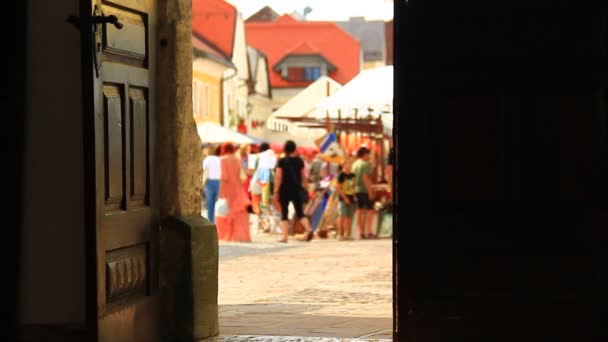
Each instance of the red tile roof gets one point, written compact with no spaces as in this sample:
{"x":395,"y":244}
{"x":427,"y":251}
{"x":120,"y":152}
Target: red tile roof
{"x":303,"y":48}
{"x":214,"y":20}
{"x":286,"y":36}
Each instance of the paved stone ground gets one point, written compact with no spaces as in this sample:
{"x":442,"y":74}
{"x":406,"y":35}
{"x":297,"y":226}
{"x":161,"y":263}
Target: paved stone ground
{"x":324,"y":290}
{"x":253,"y":338}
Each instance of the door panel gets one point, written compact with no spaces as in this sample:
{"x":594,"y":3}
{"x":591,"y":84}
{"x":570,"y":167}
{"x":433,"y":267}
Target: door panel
{"x":127,"y":212}
{"x":113,"y":148}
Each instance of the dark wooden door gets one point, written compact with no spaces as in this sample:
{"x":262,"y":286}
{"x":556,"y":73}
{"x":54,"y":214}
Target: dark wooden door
{"x":503,"y":188}
{"x":118,"y":60}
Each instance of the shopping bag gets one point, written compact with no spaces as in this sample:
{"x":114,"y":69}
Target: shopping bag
{"x":221,"y":207}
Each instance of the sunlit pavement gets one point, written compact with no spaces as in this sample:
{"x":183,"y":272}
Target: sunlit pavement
{"x":323,"y":290}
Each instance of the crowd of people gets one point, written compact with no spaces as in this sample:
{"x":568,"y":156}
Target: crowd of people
{"x":278,"y":190}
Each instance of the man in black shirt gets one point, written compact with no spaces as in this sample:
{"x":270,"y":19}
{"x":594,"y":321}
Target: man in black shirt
{"x":288,"y":188}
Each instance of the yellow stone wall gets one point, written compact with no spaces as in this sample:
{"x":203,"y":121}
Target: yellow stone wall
{"x":214,"y":106}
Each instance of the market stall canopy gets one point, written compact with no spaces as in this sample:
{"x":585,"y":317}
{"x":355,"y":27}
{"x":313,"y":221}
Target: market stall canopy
{"x":212,"y":133}
{"x":387,"y":123}
{"x":370,"y":89}
{"x":256,"y":140}
{"x":279,"y":138}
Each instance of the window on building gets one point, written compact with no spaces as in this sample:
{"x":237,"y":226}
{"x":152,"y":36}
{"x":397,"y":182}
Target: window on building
{"x":196,"y":98}
{"x":303,"y":74}
{"x":205,"y":98}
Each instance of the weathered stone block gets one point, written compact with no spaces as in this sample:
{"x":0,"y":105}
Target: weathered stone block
{"x":189,"y":278}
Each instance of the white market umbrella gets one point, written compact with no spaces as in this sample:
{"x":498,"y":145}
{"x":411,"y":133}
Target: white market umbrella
{"x":212,"y":133}
{"x":371,"y":88}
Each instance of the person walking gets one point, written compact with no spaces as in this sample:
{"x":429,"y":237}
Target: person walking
{"x":256,"y":187}
{"x":317,"y":171}
{"x":345,"y":187}
{"x":243,"y":154}
{"x":363,"y":193}
{"x":235,"y":225}
{"x":288,"y":188}
{"x":211,"y":180}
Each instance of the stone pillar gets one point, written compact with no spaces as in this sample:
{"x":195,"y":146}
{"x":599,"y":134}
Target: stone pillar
{"x":189,"y":246}
{"x":179,"y":143}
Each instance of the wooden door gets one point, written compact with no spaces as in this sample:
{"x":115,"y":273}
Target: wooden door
{"x":118,"y":72}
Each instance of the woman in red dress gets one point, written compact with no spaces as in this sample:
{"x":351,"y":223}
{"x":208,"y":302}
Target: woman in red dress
{"x":235,"y":225}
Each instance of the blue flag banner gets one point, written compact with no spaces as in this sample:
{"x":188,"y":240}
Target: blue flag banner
{"x":330,"y":148}
{"x":326,"y":142}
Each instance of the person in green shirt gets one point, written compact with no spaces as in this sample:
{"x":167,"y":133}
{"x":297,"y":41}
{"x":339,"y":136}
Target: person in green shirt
{"x":362,"y":170}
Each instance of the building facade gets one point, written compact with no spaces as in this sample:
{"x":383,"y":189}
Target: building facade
{"x":372,"y":36}
{"x":222,"y":27}
{"x":260,"y":93}
{"x":300,"y":52}
{"x":208,"y":69}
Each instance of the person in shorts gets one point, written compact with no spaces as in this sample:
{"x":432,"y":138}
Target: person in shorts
{"x":288,"y":188}
{"x":256,"y":188}
{"x":364,"y":193}
{"x":345,"y":187}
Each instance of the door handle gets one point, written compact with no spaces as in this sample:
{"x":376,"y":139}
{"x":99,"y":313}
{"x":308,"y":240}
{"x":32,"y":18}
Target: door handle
{"x":107,"y":19}
{"x":96,"y":19}
{"x":92,"y":26}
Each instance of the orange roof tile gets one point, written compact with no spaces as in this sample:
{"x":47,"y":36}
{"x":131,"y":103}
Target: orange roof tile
{"x":303,"y":48}
{"x":287,"y":35}
{"x":214,"y":20}
{"x":286,"y":19}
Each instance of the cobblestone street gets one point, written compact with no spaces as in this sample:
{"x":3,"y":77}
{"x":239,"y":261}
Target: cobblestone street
{"x":325,"y":290}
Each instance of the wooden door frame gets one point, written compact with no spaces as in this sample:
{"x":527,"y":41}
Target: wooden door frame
{"x":90,"y":195}
{"x":395,"y":181}
{"x":20,"y":49}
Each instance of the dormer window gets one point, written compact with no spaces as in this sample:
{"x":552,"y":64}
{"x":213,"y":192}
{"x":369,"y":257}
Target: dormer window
{"x":303,"y":67}
{"x":303,"y":74}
